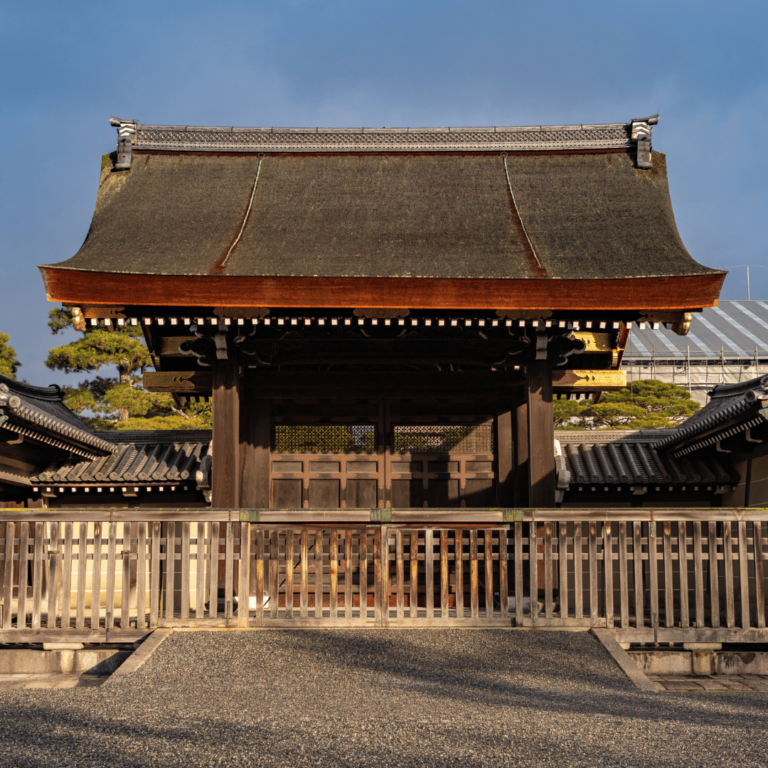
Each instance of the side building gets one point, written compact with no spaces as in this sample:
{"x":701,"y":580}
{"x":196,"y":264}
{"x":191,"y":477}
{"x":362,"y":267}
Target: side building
{"x":726,"y":344}
{"x":49,"y":458}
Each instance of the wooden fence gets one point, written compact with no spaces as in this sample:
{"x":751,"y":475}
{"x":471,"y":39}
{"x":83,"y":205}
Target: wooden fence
{"x":652,"y":575}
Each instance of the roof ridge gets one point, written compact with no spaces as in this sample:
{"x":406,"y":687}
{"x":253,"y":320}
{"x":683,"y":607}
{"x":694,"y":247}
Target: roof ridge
{"x":382,"y":129}
{"x":154,"y":436}
{"x":53,"y":392}
{"x":741,"y":387}
{"x":207,"y":138}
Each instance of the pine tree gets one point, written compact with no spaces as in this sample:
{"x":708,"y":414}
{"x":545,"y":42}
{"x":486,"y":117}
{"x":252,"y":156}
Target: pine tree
{"x":644,"y":404}
{"x":8,"y":362}
{"x":117,"y":402}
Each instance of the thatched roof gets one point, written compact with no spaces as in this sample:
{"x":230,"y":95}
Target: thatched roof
{"x":562,"y":203}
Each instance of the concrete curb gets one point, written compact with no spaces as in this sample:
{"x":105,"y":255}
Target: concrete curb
{"x":142,"y":653}
{"x":621,"y":657}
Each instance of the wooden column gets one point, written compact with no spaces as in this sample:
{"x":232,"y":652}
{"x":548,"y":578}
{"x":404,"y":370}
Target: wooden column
{"x":520,"y":419}
{"x":226,"y":479}
{"x":541,"y":435}
{"x":255,"y":449}
{"x":505,"y":451}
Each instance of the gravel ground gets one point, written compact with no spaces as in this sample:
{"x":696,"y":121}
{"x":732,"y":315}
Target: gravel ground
{"x":380,"y":698}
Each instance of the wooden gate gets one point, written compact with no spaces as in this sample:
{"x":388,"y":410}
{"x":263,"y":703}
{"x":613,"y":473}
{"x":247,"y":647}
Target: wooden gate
{"x":392,"y":460}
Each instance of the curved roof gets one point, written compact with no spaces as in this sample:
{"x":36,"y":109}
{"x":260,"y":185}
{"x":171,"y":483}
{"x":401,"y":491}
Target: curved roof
{"x":40,"y":413}
{"x":559,"y":203}
{"x":727,"y":402}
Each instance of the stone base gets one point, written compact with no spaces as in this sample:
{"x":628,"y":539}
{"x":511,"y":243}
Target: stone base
{"x":63,"y":646}
{"x":697,"y":662}
{"x":21,"y":661}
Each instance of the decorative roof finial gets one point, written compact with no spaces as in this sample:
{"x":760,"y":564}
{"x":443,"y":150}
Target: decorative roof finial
{"x":126,"y":130}
{"x":642,"y":127}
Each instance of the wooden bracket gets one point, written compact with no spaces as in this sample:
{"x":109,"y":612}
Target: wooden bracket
{"x":184,"y":382}
{"x":90,"y":312}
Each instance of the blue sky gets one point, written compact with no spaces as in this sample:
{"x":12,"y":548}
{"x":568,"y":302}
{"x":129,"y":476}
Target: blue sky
{"x":68,"y":66}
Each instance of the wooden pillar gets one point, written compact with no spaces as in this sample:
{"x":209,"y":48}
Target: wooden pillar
{"x":541,"y":435}
{"x":512,"y":449}
{"x":520,"y":415}
{"x":255,"y":450}
{"x":226,"y":479}
{"x":505,"y":451}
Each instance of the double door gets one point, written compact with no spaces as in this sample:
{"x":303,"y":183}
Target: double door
{"x":387,"y":455}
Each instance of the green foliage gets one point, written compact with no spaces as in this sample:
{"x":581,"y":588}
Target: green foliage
{"x":8,"y":362}
{"x":59,"y":319}
{"x":645,"y":404}
{"x":566,"y":412}
{"x":121,"y":402}
{"x":98,"y":348}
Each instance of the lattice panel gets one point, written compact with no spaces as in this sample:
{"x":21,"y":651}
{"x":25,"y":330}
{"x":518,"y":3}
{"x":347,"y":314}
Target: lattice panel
{"x":534,"y":137}
{"x":325,"y":438}
{"x":454,"y":439}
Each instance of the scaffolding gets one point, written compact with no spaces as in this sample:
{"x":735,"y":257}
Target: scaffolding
{"x":696,"y":372}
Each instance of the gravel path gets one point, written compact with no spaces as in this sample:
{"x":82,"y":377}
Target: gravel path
{"x":380,"y":698}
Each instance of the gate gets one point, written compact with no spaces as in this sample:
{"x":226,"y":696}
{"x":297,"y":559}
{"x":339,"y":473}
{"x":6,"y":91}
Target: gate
{"x":389,"y":460}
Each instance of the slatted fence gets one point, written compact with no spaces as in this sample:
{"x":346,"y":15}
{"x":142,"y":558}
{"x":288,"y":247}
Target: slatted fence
{"x":650,"y":574}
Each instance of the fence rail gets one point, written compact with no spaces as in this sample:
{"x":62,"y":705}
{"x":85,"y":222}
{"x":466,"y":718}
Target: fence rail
{"x":650,"y":574}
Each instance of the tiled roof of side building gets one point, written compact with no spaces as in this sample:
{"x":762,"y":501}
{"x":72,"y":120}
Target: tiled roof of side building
{"x":727,"y":402}
{"x":629,"y":458}
{"x":150,"y":461}
{"x":39,"y":412}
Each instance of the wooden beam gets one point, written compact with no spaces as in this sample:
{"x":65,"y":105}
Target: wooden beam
{"x":415,"y":515}
{"x":285,"y":384}
{"x":541,"y":435}
{"x":226,"y":434}
{"x":73,"y":635}
{"x":170,"y":345}
{"x":578,"y":380}
{"x":689,"y":292}
{"x":182,"y":382}
{"x":201,"y":381}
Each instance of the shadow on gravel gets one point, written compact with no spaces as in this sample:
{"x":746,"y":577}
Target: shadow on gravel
{"x":378,"y":698}
{"x":547,"y":672}
{"x":37,"y":734}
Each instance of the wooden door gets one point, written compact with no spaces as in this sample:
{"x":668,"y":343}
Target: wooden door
{"x":326,"y":466}
{"x":398,"y":462}
{"x":441,"y":465}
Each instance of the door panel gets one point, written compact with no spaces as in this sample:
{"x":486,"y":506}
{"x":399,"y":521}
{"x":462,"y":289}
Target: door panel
{"x":406,"y":493}
{"x":324,"y":494}
{"x":333,"y":465}
{"x":445,"y":462}
{"x":286,"y":494}
{"x":442,"y":464}
{"x":361,"y":494}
